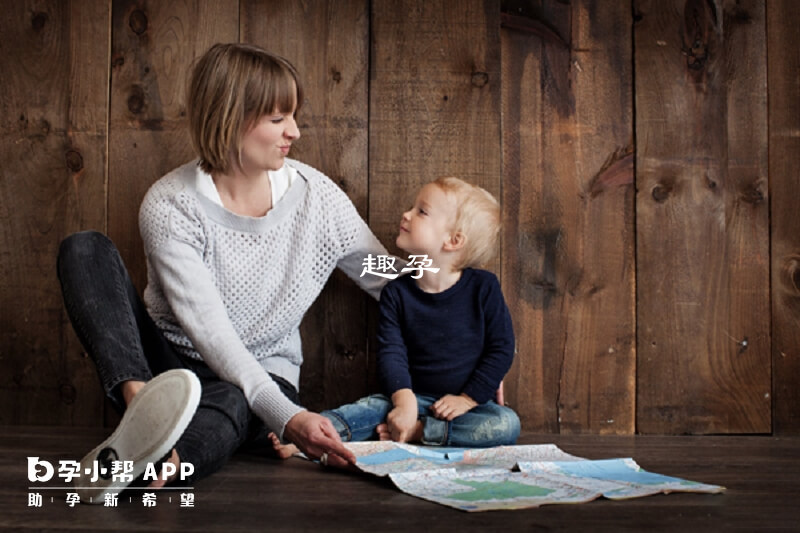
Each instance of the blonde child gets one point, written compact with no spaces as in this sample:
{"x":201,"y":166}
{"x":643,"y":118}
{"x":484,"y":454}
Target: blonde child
{"x":445,"y":339}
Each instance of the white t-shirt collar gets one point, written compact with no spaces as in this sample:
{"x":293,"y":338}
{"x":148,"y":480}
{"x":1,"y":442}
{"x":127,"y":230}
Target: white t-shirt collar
{"x":280,"y":181}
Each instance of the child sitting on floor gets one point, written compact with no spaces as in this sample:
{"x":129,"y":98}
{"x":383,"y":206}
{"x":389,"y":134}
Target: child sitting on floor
{"x":445,"y":339}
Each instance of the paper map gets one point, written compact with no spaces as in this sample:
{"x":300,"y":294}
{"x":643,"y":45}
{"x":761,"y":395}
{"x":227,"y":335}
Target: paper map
{"x":511,"y":477}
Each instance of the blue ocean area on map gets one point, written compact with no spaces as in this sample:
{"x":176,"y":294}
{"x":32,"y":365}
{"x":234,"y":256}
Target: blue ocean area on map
{"x":443,"y":456}
{"x":613,"y":469}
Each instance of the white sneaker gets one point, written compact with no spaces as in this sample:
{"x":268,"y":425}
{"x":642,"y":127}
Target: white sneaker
{"x":149,"y":429}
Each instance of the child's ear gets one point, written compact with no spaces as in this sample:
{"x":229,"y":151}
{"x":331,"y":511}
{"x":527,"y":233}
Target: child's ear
{"x":455,"y":242}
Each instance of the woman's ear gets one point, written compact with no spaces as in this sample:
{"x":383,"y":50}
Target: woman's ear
{"x":455,"y":242}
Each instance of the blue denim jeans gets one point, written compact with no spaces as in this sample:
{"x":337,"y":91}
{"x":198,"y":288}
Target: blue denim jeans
{"x":125,"y":344}
{"x":483,"y":426}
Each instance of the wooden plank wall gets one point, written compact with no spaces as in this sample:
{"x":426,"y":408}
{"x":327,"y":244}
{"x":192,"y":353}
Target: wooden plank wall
{"x":568,"y":265}
{"x":53,"y":149}
{"x":651,"y":241}
{"x":702,"y":217}
{"x":784,"y":161}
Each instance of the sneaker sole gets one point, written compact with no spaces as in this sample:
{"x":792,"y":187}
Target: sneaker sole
{"x":150,"y":427}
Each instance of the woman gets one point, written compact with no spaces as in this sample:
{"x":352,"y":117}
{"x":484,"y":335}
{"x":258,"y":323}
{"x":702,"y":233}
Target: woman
{"x":239,"y":244}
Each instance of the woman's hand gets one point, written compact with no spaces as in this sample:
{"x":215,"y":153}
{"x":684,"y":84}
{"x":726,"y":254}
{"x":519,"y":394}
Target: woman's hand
{"x":449,"y":406}
{"x":315,"y":435}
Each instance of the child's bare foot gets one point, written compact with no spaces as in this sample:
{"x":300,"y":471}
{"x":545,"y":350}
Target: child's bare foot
{"x":284,"y":451}
{"x":175,"y":460}
{"x":385,"y":434}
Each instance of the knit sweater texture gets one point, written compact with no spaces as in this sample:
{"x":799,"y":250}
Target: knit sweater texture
{"x":232,"y":290}
{"x":457,"y":341}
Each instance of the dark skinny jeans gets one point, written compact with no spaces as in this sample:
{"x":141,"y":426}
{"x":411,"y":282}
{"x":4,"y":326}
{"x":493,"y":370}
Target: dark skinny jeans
{"x":125,"y":344}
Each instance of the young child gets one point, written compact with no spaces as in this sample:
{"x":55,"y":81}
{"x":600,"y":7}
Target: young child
{"x":445,"y":339}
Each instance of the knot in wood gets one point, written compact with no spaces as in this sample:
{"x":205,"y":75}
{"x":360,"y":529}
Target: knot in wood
{"x":67,"y":393}
{"x":337,"y":76}
{"x":696,"y":56}
{"x":796,"y":280}
{"x":347,"y":353}
{"x":753,"y":195}
{"x":38,"y":20}
{"x":661,"y":193}
{"x":743,"y":344}
{"x":74,"y":160}
{"x":790,"y":275}
{"x":480,"y":79}
{"x":138,"y":22}
{"x":136,"y":100}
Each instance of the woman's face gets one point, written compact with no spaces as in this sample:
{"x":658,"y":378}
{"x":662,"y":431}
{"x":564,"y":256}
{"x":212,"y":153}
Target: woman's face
{"x":267,"y":143}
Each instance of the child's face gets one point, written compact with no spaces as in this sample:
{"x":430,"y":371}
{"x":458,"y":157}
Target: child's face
{"x":426,"y":227}
{"x":267,"y":143}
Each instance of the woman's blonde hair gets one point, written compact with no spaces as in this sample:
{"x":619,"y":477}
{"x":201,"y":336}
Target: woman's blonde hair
{"x":477,"y":218}
{"x":230,"y":87}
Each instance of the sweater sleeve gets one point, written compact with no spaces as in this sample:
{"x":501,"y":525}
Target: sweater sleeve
{"x":174,"y":256}
{"x":498,"y":349}
{"x":393,"y":370}
{"x":355,"y":238}
{"x":352,"y":262}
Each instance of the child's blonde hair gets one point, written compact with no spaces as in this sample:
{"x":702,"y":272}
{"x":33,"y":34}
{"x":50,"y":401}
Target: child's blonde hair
{"x":477,"y":218}
{"x":232,"y":86}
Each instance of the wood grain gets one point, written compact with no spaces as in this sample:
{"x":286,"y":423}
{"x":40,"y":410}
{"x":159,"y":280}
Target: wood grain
{"x":333,"y":65}
{"x":533,"y":101}
{"x":568,"y":262}
{"x":153,"y":46}
{"x":52,"y":180}
{"x":784,"y":160}
{"x":434,"y":104}
{"x":702,"y":218}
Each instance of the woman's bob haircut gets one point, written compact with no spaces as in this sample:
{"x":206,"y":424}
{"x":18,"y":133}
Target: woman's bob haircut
{"x":230,"y":87}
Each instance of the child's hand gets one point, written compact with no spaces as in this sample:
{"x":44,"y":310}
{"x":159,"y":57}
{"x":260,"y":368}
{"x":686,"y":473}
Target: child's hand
{"x":402,"y":423}
{"x":449,"y":406}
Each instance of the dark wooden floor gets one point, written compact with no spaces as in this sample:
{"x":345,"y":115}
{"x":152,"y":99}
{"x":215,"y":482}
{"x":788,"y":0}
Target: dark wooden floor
{"x":253,"y":493}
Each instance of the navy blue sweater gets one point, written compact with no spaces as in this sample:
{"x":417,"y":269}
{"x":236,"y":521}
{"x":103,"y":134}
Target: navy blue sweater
{"x":457,"y":341}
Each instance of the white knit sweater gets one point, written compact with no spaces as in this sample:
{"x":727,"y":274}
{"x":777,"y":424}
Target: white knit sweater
{"x":231,"y":290}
